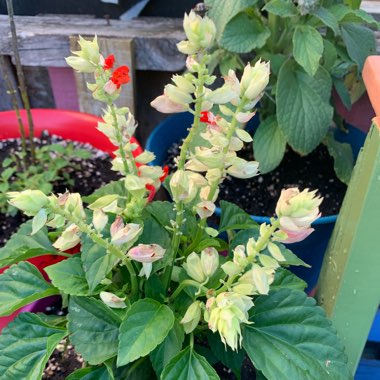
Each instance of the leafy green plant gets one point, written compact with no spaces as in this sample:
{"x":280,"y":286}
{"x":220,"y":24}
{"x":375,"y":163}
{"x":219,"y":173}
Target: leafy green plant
{"x":149,"y":295}
{"x":50,"y":163}
{"x":314,"y":47}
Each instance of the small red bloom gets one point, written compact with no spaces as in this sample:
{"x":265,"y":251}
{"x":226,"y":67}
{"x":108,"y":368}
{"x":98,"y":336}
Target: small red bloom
{"x":165,"y":174}
{"x":204,"y":117}
{"x":120,"y":76}
{"x":152,"y":191}
{"x":109,"y":62}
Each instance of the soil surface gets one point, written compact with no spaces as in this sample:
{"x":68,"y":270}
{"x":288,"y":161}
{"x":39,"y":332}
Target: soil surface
{"x":88,"y":175}
{"x":259,"y":195}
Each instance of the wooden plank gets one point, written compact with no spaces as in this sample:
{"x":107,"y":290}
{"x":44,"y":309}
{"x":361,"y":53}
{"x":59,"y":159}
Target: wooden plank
{"x":8,"y":79}
{"x":349,"y":283}
{"x":45,"y":41}
{"x":122,"y":49}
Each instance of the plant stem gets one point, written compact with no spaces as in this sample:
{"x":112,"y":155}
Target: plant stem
{"x":98,"y":239}
{"x":12,"y":93}
{"x":21,"y":79}
{"x":185,"y":284}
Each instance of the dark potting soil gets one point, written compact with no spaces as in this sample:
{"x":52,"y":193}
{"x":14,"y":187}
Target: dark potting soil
{"x":88,"y":175}
{"x":259,"y":195}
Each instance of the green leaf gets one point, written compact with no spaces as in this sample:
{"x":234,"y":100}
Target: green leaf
{"x":343,"y":92}
{"x":307,"y":48}
{"x":269,"y":145}
{"x":20,"y":285}
{"x":169,"y":348}
{"x":90,"y":373}
{"x":222,"y":11}
{"x":291,"y":338}
{"x":360,"y":42}
{"x":244,"y":34}
{"x":330,"y":55}
{"x":343,"y":158}
{"x":26,"y":345}
{"x":281,"y":8}
{"x":145,"y":326}
{"x":231,"y":359}
{"x":304,"y":113}
{"x":93,"y":328}
{"x":114,"y":187}
{"x":188,"y":365}
{"x":360,"y":16}
{"x":286,"y":279}
{"x":339,"y":11}
{"x":22,"y":246}
{"x":69,"y":276}
{"x":234,"y":218}
{"x":327,"y":18}
{"x":97,"y":263}
{"x":242,"y":237}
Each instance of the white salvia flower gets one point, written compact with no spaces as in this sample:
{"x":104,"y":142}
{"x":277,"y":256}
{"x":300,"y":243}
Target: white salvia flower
{"x":225,"y":314}
{"x":86,"y":59}
{"x":192,"y":317}
{"x":72,"y":203}
{"x":80,"y":64}
{"x":178,"y":95}
{"x":28,"y":201}
{"x":145,"y":157}
{"x":183,"y":83}
{"x":69,"y":239}
{"x":255,"y":79}
{"x":99,"y":219}
{"x":205,"y":209}
{"x":121,"y":234}
{"x":103,"y":202}
{"x":205,"y":193}
{"x":256,"y":281}
{"x":146,"y":254}
{"x":275,"y":251}
{"x":243,"y":135}
{"x":211,"y":157}
{"x":193,"y":268}
{"x":209,"y":261}
{"x":165,"y":105}
{"x":112,"y":300}
{"x":182,"y":187}
{"x":243,"y":169}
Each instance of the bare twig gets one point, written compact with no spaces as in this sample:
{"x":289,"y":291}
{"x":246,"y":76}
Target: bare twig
{"x":20,"y":77}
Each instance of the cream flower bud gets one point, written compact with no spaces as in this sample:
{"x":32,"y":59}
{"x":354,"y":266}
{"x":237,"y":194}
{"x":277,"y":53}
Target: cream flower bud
{"x":69,"y":238}
{"x":255,"y":79}
{"x":192,"y":317}
{"x":146,"y":254}
{"x":200,"y":31}
{"x":231,"y":269}
{"x":193,"y":268}
{"x":182,"y":187}
{"x":178,"y":95}
{"x":296,"y":212}
{"x":89,"y":49}
{"x":99,"y":219}
{"x":112,"y":300}
{"x":121,"y":234}
{"x":268,"y":262}
{"x":213,"y":175}
{"x":103,"y":202}
{"x":204,"y":194}
{"x":243,"y":169}
{"x":191,"y":64}
{"x":110,"y":87}
{"x":165,"y":105}
{"x":145,"y":157}
{"x":226,"y":314}
{"x":183,"y":83}
{"x":187,"y":47}
{"x":28,"y":201}
{"x":205,"y":209}
{"x":135,"y":185}
{"x":251,"y":247}
{"x":275,"y":251}
{"x":209,"y":261}
{"x":210,"y":157}
{"x":80,"y":64}
{"x":244,"y":135}
{"x":74,"y":205}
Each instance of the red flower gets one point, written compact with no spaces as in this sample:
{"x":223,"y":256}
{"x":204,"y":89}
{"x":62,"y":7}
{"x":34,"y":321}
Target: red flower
{"x":120,"y":76}
{"x":108,"y":62}
{"x":204,"y":117}
{"x":152,"y":191}
{"x":165,"y":174}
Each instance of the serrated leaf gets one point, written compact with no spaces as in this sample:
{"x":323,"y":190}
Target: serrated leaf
{"x":93,"y":328}
{"x":281,"y":8}
{"x":360,"y":42}
{"x":286,"y":279}
{"x":69,"y":276}
{"x":26,"y":345}
{"x":291,"y":338}
{"x":20,"y":285}
{"x":188,"y":365}
{"x":307,"y":48}
{"x":22,"y":246}
{"x":222,"y":11}
{"x":90,"y":373}
{"x":146,"y":324}
{"x":234,"y":218}
{"x":97,"y":263}
{"x":243,"y":34}
{"x":360,"y":16}
{"x":169,"y":348}
{"x":327,"y":18}
{"x":343,"y":158}
{"x":231,"y":359}
{"x":242,"y":237}
{"x":269,"y":145}
{"x":330,"y":55}
{"x":343,"y":92}
{"x":304,"y":113}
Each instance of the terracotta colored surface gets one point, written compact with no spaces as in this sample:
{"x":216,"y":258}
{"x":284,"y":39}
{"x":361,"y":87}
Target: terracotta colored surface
{"x":371,"y":77}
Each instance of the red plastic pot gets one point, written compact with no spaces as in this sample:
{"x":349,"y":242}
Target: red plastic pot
{"x":69,"y":125}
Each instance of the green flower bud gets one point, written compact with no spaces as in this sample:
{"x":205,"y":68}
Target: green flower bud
{"x":192,"y":317}
{"x":28,"y":201}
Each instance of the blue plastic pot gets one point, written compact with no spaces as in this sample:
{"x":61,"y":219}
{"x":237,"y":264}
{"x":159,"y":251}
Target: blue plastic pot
{"x":174,"y":129}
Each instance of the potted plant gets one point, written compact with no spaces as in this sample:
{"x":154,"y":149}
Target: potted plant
{"x":314,"y":53}
{"x":148,"y":295}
